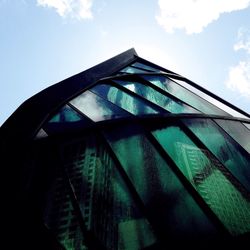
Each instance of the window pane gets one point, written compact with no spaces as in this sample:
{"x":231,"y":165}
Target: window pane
{"x":152,"y":95}
{"x":247,"y":125}
{"x":41,"y":134}
{"x":223,"y":147}
{"x":60,"y":217}
{"x":173,"y":210}
{"x":184,"y":94}
{"x":66,"y":119}
{"x":211,"y":180}
{"x":124,"y":100}
{"x":66,"y":114}
{"x":131,"y":70}
{"x":238,"y":131}
{"x":106,"y":204}
{"x":96,"y":108}
{"x":144,"y":66}
{"x":210,"y":99}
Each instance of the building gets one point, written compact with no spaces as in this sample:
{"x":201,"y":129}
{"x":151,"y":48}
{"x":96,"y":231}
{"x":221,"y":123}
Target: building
{"x":126,"y":155}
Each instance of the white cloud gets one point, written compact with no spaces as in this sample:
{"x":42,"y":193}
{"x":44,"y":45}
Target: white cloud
{"x":239,"y":75}
{"x":79,"y":9}
{"x":194,"y":15}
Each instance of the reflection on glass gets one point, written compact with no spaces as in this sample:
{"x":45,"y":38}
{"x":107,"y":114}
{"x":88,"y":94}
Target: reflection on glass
{"x":238,"y":131}
{"x":211,"y":180}
{"x":184,"y":94}
{"x":108,"y":209}
{"x":66,"y":114}
{"x":131,"y":70}
{"x":144,"y":66}
{"x":154,"y":96}
{"x":210,"y":99}
{"x":124,"y":100}
{"x":41,"y":134}
{"x":60,"y":217}
{"x":223,"y":147}
{"x":66,"y":119}
{"x":96,"y":108}
{"x":246,"y":124}
{"x":174,"y":211}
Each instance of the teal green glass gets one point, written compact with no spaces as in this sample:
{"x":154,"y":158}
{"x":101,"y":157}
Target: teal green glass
{"x":213,"y":182}
{"x":223,"y":147}
{"x":131,"y":70}
{"x":97,"y":108}
{"x":237,"y":131}
{"x":124,"y":100}
{"x":66,"y":114}
{"x":106,"y":204}
{"x":154,"y":96}
{"x":184,"y":94}
{"x":173,"y":209}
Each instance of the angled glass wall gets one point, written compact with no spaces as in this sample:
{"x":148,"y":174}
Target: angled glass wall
{"x":144,"y":159}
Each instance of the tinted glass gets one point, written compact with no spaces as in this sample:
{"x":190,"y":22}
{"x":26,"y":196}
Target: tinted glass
{"x":124,"y":100}
{"x":132,"y":70}
{"x":238,"y":131}
{"x":211,"y":180}
{"x":66,"y":114}
{"x":184,"y":94}
{"x":108,"y":209}
{"x":154,"y":96}
{"x":173,"y":210}
{"x":96,"y":108}
{"x":60,"y":217}
{"x":144,"y":66}
{"x":210,"y":99}
{"x":66,"y":119}
{"x":223,"y":147}
{"x":246,"y":125}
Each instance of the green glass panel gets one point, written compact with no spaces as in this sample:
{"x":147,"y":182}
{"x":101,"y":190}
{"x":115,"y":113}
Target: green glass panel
{"x":223,"y":147}
{"x":131,"y":70}
{"x":66,"y":119}
{"x":60,"y":217}
{"x":144,"y":66}
{"x":184,"y":94}
{"x":173,"y":210}
{"x":211,"y":180}
{"x":154,"y":96}
{"x":238,"y":131}
{"x":97,"y":108}
{"x":66,"y":114}
{"x":108,"y":209}
{"x":246,"y":125}
{"x":126,"y":101}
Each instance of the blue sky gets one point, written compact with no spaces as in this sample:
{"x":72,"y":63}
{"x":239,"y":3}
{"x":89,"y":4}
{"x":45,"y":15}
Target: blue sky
{"x":45,"y":41}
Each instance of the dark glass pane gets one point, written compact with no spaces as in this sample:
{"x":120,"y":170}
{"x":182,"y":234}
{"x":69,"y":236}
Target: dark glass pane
{"x":66,"y":119}
{"x":96,"y":108}
{"x":173,"y":210}
{"x":223,"y":147}
{"x":228,"y":200}
{"x":246,"y":124}
{"x":154,"y":96}
{"x":131,"y":70}
{"x":60,"y":216}
{"x":41,"y":134}
{"x":109,"y":211}
{"x":66,"y":114}
{"x":184,"y":94}
{"x":238,"y":131}
{"x":126,"y":101}
{"x":144,"y":66}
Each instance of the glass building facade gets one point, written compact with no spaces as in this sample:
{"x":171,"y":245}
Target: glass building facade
{"x":126,"y":155}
